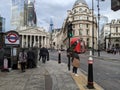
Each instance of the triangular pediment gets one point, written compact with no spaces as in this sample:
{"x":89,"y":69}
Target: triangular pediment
{"x":32,"y":31}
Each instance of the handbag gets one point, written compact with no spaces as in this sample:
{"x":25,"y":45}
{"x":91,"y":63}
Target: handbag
{"x":76,"y":63}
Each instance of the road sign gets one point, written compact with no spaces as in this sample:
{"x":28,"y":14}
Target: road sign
{"x":12,"y":37}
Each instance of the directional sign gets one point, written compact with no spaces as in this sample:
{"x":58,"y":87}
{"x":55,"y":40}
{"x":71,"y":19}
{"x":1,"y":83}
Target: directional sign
{"x":12,"y":37}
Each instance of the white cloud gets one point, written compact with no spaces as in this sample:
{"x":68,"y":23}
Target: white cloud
{"x":57,"y":10}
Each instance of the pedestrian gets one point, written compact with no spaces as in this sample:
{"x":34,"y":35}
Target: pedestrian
{"x":75,"y":61}
{"x":2,"y":53}
{"x":30,"y":59}
{"x":40,"y":53}
{"x":114,"y":51}
{"x":119,"y":50}
{"x":23,"y":59}
{"x":44,"y":54}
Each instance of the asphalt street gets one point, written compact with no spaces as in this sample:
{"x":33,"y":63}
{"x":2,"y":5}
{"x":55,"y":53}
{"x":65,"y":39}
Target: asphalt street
{"x":105,"y":68}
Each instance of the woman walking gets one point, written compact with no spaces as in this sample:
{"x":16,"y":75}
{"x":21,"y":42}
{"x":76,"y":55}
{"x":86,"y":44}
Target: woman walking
{"x":75,"y":62}
{"x":23,"y":59}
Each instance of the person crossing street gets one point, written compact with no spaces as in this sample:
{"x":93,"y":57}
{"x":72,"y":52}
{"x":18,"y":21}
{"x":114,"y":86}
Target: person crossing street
{"x":44,"y":54}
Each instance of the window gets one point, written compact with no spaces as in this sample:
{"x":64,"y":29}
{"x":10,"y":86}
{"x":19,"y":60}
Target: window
{"x":85,"y":10}
{"x":80,"y":25}
{"x":73,"y":25}
{"x":87,"y":18}
{"x":80,"y":32}
{"x":117,"y":40}
{"x":87,"y":25}
{"x":73,"y":32}
{"x":75,"y":18}
{"x":87,"y":31}
{"x":80,"y":17}
{"x":87,"y":42}
{"x":80,"y":9}
{"x":74,"y":11}
{"x":116,"y":29}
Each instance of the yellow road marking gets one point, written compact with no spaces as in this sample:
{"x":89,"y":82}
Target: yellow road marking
{"x":81,"y":81}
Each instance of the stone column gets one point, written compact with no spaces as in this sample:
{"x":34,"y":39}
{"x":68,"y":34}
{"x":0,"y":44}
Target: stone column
{"x":22,"y":41}
{"x":34,"y":41}
{"x":45,"y":41}
{"x":38,"y":41}
{"x":41,"y":41}
{"x":30,"y":40}
{"x":26,"y":41}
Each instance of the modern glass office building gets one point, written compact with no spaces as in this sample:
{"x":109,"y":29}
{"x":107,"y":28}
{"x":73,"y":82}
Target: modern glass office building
{"x":23,"y":13}
{"x":2,"y":24}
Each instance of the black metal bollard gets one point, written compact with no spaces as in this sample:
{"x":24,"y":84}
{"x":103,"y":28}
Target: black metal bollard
{"x":90,"y":83}
{"x":59,"y":56}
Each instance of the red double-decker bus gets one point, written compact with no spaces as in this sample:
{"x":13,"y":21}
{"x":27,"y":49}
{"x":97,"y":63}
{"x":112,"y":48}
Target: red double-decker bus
{"x":80,"y":46}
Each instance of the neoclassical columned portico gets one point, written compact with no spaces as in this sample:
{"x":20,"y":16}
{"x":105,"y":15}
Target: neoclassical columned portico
{"x":34,"y":41}
{"x":34,"y":37}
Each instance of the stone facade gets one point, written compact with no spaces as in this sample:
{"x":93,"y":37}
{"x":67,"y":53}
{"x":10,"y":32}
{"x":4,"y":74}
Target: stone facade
{"x":111,"y":35}
{"x":82,"y":20}
{"x":57,"y":39}
{"x":34,"y":37}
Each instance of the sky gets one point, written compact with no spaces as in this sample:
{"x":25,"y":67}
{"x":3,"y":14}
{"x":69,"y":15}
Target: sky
{"x":57,"y":11}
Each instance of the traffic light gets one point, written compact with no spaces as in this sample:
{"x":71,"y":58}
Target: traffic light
{"x":70,"y":30}
{"x":115,"y":5}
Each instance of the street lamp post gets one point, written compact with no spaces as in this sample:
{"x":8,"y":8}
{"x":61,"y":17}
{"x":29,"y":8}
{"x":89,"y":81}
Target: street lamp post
{"x":98,"y":29}
{"x":99,"y":26}
{"x":92,"y":27}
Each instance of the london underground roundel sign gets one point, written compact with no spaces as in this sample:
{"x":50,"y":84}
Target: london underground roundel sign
{"x":12,"y":37}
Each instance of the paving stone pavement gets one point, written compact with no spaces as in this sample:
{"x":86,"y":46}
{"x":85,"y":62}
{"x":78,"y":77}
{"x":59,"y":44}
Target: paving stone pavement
{"x":61,"y":77}
{"x":36,"y":78}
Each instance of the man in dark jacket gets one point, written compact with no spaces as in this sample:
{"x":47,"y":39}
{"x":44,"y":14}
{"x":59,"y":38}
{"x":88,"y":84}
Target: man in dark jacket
{"x":2,"y":52}
{"x":30,"y":59}
{"x":44,"y":54}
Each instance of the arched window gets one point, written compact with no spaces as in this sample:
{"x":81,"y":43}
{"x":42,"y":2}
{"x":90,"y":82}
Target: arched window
{"x":80,"y":25}
{"x":80,"y":32}
{"x":80,"y":10}
{"x":81,"y":17}
{"x":75,"y":11}
{"x":87,"y":42}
